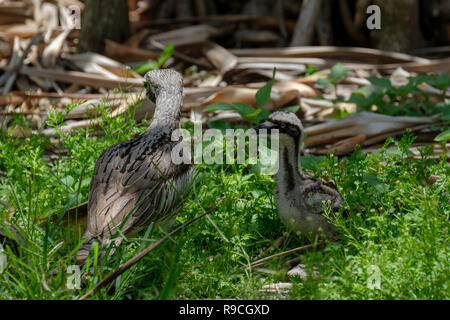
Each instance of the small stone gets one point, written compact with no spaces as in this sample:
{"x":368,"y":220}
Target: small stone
{"x":300,"y":270}
{"x":279,"y":287}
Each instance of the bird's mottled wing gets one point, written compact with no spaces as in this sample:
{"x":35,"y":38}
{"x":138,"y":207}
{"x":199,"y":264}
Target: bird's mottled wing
{"x":316,"y":193}
{"x":128,"y":186}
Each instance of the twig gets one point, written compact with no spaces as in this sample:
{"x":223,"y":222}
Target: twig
{"x":10,"y":75}
{"x":266,"y":260}
{"x":113,"y":275}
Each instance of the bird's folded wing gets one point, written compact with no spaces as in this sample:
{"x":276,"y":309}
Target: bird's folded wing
{"x":315,"y":196}
{"x":131,"y":190}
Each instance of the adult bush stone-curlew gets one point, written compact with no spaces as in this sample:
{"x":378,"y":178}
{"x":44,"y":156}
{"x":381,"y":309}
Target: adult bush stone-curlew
{"x":135,"y":182}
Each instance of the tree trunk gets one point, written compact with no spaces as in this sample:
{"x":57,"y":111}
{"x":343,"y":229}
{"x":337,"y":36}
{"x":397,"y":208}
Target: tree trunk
{"x":324,"y":27}
{"x":103,"y":19}
{"x":304,"y":29}
{"x":400,"y":29}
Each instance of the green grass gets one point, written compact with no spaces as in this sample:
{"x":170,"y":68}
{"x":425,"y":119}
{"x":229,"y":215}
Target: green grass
{"x":397,"y":224}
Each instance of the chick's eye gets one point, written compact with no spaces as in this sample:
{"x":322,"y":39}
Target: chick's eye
{"x":283,"y":126}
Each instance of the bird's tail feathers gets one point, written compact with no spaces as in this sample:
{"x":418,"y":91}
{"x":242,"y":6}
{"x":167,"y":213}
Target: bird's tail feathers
{"x":83,"y":252}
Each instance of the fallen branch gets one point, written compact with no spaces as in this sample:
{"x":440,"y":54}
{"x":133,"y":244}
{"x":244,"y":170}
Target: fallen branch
{"x":81,"y":78}
{"x":337,"y":53}
{"x":9,"y":77}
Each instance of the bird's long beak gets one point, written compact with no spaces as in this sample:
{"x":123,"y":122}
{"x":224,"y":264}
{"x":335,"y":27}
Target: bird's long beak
{"x":267,"y":125}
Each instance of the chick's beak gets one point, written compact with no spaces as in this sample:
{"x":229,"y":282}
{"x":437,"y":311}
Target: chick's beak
{"x":267,"y":125}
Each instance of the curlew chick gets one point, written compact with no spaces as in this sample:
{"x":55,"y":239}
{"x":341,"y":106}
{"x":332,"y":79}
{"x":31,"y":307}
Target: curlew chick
{"x":135,"y":182}
{"x":299,"y":197}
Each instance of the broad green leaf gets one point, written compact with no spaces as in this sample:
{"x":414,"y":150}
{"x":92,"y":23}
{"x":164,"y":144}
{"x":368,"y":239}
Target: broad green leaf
{"x":243,"y":109}
{"x":338,"y":72}
{"x":167,"y":52}
{"x":263,"y":115}
{"x":379,"y":186}
{"x":396,"y":151}
{"x":363,"y":92}
{"x":380,"y":82}
{"x":443,"y":108}
{"x":443,"y":81}
{"x":263,"y":94}
{"x":218,"y":106}
{"x":253,"y":114}
{"x":68,"y":181}
{"x":146,"y":66}
{"x":293,"y":109}
{"x":358,"y":100}
{"x":424,"y":78}
{"x":152,"y":65}
{"x":323,"y":82}
{"x":375,"y":98}
{"x":310,"y":70}
{"x":85,"y":182}
{"x":443,"y":136}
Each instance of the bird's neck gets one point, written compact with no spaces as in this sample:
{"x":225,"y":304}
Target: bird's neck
{"x":289,"y":170}
{"x":168,"y":108}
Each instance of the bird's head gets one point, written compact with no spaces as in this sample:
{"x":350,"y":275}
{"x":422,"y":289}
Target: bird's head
{"x":288,"y":125}
{"x":167,"y":80}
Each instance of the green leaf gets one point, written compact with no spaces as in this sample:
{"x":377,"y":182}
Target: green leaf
{"x":443,"y":81}
{"x":152,"y":65}
{"x":443,"y":108}
{"x":394,"y":151}
{"x":218,"y":106}
{"x":85,"y":182}
{"x":310,"y":70}
{"x":380,"y":82}
{"x":378,"y":185}
{"x":263,"y":94}
{"x":263,"y":115}
{"x":254,"y":114}
{"x":323,"y":82}
{"x":374,"y":98}
{"x":424,"y":78}
{"x":146,"y":66}
{"x":338,"y":72}
{"x":363,"y":92}
{"x":244,"y":109}
{"x":166,"y":54}
{"x":443,"y":136}
{"x":293,"y":109}
{"x":68,"y":181}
